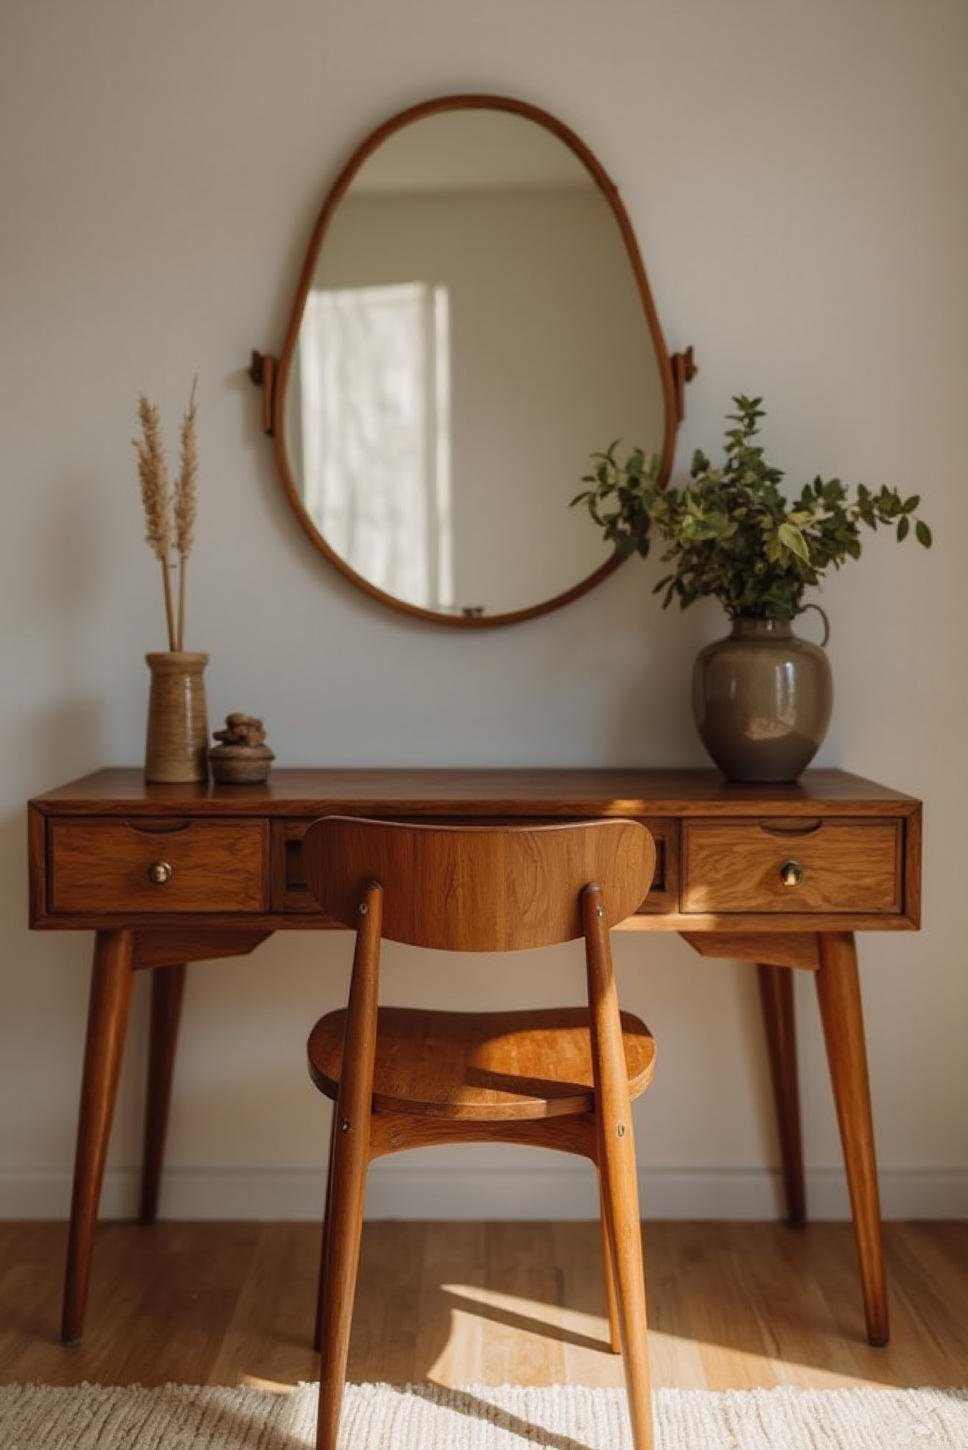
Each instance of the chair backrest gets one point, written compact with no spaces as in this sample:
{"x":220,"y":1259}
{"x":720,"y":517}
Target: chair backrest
{"x":478,"y":888}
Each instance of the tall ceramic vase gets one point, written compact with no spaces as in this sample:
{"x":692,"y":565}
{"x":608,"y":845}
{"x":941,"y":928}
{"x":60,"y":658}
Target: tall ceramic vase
{"x":762,"y":699}
{"x":177,"y":743}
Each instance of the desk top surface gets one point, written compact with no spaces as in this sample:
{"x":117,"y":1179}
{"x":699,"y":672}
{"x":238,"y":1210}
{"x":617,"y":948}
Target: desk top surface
{"x":518,"y":792}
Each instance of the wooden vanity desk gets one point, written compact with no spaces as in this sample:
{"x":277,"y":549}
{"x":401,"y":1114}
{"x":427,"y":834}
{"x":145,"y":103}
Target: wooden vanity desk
{"x":780,"y":876}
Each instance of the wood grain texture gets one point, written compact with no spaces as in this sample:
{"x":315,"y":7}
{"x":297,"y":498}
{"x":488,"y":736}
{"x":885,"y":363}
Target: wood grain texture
{"x":617,"y":1168}
{"x":159,"y":946}
{"x":396,"y":1132}
{"x":324,"y":1237}
{"x":36,"y":863}
{"x":748,"y":922}
{"x":838,"y":993}
{"x":660,"y":921}
{"x":167,"y":991}
{"x":669,"y":800}
{"x":731,"y":1305}
{"x":333,"y":198}
{"x":350,"y":1156}
{"x":481,"y":1066}
{"x":912,"y":866}
{"x":215,"y":866}
{"x":291,"y":893}
{"x":477,"y":888}
{"x":311,"y":792}
{"x":293,"y":797}
{"x":612,"y":1307}
{"x":776,"y":1003}
{"x":780,"y":950}
{"x":562,"y":1076}
{"x":846,"y":866}
{"x":110,"y":999}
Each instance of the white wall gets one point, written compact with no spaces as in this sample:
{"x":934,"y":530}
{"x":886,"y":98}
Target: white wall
{"x":797,"y":177}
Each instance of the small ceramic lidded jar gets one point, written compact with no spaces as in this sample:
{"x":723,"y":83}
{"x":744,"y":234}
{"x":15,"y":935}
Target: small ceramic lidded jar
{"x":176,"y":747}
{"x":242,"y":757}
{"x":762,"y":699}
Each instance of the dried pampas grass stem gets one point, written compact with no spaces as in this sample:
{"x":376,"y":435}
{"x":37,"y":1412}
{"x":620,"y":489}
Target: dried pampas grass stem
{"x":186,"y":501}
{"x":153,"y":473}
{"x":169,"y":517}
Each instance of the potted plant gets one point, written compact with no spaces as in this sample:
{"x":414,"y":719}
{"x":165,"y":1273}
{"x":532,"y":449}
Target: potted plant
{"x":761,"y":696}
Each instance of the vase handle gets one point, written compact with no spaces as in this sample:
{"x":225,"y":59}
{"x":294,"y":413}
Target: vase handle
{"x":826,"y":622}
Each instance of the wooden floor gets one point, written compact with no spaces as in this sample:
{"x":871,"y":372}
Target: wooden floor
{"x":730,"y":1305}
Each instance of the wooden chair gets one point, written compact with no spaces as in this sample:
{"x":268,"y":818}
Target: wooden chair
{"x":405,"y":1078}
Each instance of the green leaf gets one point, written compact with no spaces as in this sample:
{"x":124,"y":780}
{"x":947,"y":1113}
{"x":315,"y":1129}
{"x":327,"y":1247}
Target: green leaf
{"x":791,"y":538}
{"x":728,"y":532}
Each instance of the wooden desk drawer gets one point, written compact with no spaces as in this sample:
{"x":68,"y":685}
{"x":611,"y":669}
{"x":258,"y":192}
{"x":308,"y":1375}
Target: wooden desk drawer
{"x":103,"y":866}
{"x":835,"y":865}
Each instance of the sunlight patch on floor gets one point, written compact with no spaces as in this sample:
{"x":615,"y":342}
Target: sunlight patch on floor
{"x":273,"y":1387}
{"x":566,"y":1345}
{"x":525,"y":1313}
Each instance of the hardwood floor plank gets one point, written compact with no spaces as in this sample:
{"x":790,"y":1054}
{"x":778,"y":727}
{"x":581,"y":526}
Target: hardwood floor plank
{"x":583,"y":1316}
{"x":523,"y":1291}
{"x":448,"y":1343}
{"x":269,"y":1336}
{"x":730,"y":1305}
{"x":386,"y":1321}
{"x":186,"y":1304}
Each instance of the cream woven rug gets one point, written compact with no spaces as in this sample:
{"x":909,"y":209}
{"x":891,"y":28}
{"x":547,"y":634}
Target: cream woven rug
{"x":424,"y":1417}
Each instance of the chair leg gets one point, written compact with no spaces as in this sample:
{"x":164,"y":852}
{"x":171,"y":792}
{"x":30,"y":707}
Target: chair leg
{"x":611,"y":1293}
{"x":624,"y":1229}
{"x":318,"y":1333}
{"x":341,"y":1259}
{"x":350,"y":1159}
{"x":616,"y":1161}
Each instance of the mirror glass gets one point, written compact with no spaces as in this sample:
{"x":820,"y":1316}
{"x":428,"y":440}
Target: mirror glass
{"x":471,"y":331}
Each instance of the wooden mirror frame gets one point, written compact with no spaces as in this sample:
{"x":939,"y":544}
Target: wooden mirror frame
{"x":273,"y":375}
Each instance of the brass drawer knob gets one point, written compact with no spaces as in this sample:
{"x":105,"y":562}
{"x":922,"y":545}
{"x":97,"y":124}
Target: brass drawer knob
{"x":791,"y":873}
{"x":161,"y":872}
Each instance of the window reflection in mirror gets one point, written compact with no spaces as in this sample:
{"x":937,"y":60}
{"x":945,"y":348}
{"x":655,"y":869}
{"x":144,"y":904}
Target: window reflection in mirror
{"x":374,"y":437}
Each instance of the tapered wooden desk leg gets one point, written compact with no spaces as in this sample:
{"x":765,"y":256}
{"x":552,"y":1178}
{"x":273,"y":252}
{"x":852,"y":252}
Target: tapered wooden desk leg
{"x":776,"y":1001}
{"x":838,"y":992}
{"x":111,"y":979}
{"x":167,"y":989}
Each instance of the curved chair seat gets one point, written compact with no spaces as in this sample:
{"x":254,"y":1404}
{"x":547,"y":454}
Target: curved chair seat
{"x":481,"y":1066}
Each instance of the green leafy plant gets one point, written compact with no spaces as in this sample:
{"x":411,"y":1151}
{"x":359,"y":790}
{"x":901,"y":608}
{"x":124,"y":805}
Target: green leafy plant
{"x":730,"y":531}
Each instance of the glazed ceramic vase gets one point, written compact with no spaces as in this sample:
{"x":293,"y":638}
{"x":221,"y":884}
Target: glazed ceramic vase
{"x":762,"y":699}
{"x":177,"y":745}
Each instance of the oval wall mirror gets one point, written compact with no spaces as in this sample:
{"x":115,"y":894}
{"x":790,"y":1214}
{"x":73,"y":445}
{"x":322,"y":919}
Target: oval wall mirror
{"x":472,"y":320}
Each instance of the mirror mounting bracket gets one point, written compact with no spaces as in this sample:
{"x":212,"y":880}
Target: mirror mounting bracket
{"x":684,"y":369}
{"x":262,"y":371}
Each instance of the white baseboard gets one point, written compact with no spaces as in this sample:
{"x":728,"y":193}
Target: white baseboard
{"x":475,"y":1191}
